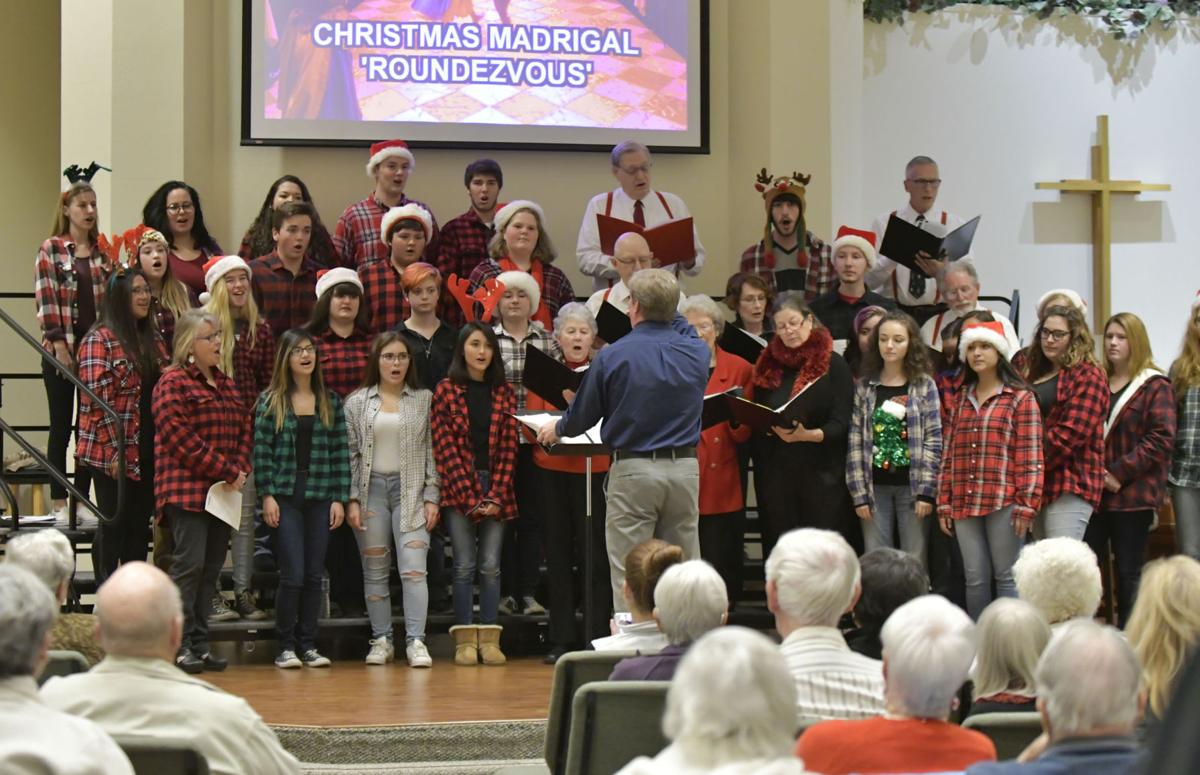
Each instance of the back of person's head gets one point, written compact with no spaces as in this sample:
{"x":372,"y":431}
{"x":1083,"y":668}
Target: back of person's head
{"x":732,"y":699}
{"x":1088,"y":679}
{"x":46,"y":554}
{"x":928,"y":646}
{"x":1165,"y":626}
{"x":27,"y":611}
{"x":656,"y":292}
{"x":1012,"y":636}
{"x":644,"y":566}
{"x":690,"y":600}
{"x":1060,"y":577}
{"x":890,"y":578}
{"x":139,"y":612}
{"x":815,"y":577}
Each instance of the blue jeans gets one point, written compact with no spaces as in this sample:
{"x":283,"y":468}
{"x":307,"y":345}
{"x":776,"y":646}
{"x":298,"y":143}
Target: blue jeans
{"x":300,"y":542}
{"x":1186,"y":501}
{"x":1066,"y":516}
{"x":475,"y":545}
{"x":989,"y":548}
{"x":381,"y":525}
{"x":896,"y":513}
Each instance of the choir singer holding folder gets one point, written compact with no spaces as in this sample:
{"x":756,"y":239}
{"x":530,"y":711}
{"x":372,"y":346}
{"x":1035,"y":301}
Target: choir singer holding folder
{"x":648,"y":388}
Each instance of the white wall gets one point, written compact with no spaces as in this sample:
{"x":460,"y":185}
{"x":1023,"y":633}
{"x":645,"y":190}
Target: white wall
{"x":1002,"y":101}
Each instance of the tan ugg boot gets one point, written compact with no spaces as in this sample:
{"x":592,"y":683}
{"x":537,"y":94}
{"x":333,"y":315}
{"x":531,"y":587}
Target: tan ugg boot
{"x":466,"y":644}
{"x":489,"y":644}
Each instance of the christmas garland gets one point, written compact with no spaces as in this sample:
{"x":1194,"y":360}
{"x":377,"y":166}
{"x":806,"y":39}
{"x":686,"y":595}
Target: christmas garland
{"x":1123,"y":18}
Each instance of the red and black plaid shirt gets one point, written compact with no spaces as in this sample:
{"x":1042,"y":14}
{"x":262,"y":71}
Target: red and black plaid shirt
{"x":56,"y":287}
{"x":819,"y":277}
{"x":199,"y":437}
{"x":949,"y":383}
{"x":462,"y":246}
{"x":1074,"y":435}
{"x":357,"y":239}
{"x":284,"y":299}
{"x":992,"y":456}
{"x":343,"y":360}
{"x":252,"y":366}
{"x":451,"y":427}
{"x":384,"y":295}
{"x":1137,"y":449}
{"x":556,"y":289}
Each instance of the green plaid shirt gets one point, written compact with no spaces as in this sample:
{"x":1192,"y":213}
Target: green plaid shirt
{"x":275,"y":456}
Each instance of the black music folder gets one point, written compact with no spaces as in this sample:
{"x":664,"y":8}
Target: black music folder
{"x":903,"y":240}
{"x":548,"y":378}
{"x":612,"y":323}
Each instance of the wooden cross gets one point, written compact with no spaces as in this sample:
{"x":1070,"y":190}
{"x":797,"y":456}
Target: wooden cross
{"x":1102,"y":188}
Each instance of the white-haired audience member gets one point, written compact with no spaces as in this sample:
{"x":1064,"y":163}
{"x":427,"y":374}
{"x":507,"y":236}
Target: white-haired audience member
{"x":1061,"y":578}
{"x":889,"y":579}
{"x":928,"y":645}
{"x":36,"y":739}
{"x":48,"y":555}
{"x":138,"y":691}
{"x":689,"y":601}
{"x":1012,"y":636}
{"x":729,"y":710}
{"x":812,"y":579}
{"x":1090,"y":699}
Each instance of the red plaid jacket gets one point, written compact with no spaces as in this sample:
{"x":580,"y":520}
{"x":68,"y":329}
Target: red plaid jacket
{"x":462,"y":246}
{"x":556,"y":289}
{"x":820,"y":277}
{"x":343,"y":361}
{"x":199,"y":437}
{"x":285,"y":300}
{"x":56,"y":287}
{"x":252,"y":366}
{"x":113,"y":376}
{"x":384,"y":295}
{"x":356,"y":238}
{"x":993,"y":457}
{"x":450,"y":424}
{"x":1073,"y":435}
{"x":1138,"y":445}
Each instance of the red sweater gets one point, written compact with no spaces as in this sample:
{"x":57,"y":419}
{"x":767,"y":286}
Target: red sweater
{"x":878,"y":745}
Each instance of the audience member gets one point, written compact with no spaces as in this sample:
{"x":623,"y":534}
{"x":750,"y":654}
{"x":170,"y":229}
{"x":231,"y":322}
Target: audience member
{"x":789,"y":257}
{"x":1012,"y":636}
{"x":284,"y":279}
{"x":889,"y":578}
{"x":463,"y":243}
{"x":174,"y":210}
{"x":259,"y":240}
{"x":637,"y":630}
{"x":1060,"y":578}
{"x":853,"y":257}
{"x":1164,"y":629}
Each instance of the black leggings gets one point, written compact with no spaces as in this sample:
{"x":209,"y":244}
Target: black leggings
{"x":1127,"y":533}
{"x":127,"y":537}
{"x":60,"y":399}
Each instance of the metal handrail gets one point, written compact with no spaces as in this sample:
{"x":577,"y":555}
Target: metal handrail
{"x":75,"y":495}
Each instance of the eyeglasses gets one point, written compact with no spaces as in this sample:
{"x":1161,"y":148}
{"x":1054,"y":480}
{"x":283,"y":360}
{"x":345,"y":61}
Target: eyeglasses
{"x":925,"y":181}
{"x":704,"y":325}
{"x":1054,"y":336}
{"x":757,"y":298}
{"x":215,"y":336}
{"x":635,"y":170}
{"x":181,"y":207}
{"x":142,"y":291}
{"x":645,"y":263}
{"x":795,"y":325}
{"x":307,"y":349}
{"x":394,"y":357}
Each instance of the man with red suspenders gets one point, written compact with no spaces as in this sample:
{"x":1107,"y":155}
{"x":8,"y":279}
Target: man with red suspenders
{"x":630,"y":254}
{"x":959,"y":285}
{"x":635,"y":201}
{"x":916,"y":294}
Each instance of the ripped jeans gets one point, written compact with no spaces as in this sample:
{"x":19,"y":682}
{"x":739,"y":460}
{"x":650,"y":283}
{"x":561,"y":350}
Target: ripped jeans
{"x":381,"y":520}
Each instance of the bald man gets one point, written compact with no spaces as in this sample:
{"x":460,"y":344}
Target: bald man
{"x":136,"y":689}
{"x":631,"y":252}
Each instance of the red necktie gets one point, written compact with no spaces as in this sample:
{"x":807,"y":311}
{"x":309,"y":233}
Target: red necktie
{"x":639,"y":213}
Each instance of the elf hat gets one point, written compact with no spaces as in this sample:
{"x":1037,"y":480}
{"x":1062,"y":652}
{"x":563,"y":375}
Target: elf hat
{"x":216,"y":268}
{"x":506,"y":213}
{"x":328,"y":278}
{"x":857,"y":238}
{"x":522,"y":281}
{"x":1075,"y":299}
{"x":409,"y":212}
{"x":386,"y":149}
{"x":988,"y":332}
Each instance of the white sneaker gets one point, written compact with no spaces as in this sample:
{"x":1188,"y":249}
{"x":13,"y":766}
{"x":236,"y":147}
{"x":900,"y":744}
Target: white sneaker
{"x":287,"y":660}
{"x":418,"y":655}
{"x":85,"y":517}
{"x":60,"y":515}
{"x":531,"y":607}
{"x":381,"y":651}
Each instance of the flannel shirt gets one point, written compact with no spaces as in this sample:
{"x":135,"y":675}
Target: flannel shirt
{"x":343,"y":360}
{"x":252,"y":366}
{"x":56,"y":288}
{"x":1185,"y":462}
{"x":556,"y":289}
{"x":113,"y":376}
{"x":512,"y":352}
{"x":199,"y":437}
{"x":451,"y":428}
{"x":275,"y":455}
{"x":993,"y":456}
{"x":356,"y":238}
{"x":949,"y":383}
{"x":923,"y":420}
{"x":319,"y":234}
{"x":164,"y":319}
{"x":384,"y":295}
{"x":462,"y":246}
{"x":819,"y":278}
{"x":1073,"y":435}
{"x":284,"y":300}
{"x":1137,"y":446}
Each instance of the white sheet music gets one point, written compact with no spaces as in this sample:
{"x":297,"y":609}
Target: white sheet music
{"x":536,"y":421}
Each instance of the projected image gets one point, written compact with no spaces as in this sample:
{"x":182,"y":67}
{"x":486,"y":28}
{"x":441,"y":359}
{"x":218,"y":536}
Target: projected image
{"x":589,"y":64}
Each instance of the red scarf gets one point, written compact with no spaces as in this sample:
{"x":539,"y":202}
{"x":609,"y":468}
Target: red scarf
{"x":810,"y":361}
{"x":542,"y":313}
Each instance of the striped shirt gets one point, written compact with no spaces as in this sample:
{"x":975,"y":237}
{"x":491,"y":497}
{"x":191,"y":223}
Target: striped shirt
{"x":831,"y":680}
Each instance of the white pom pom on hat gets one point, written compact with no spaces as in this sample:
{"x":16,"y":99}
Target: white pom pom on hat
{"x":216,"y":268}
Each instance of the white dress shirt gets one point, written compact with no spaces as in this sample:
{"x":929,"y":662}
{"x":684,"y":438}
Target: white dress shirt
{"x":931,"y":331}
{"x":36,"y":739}
{"x":643,"y":637}
{"x":832,"y":682}
{"x":891,"y":279}
{"x":598,"y":266}
{"x":618,"y":296}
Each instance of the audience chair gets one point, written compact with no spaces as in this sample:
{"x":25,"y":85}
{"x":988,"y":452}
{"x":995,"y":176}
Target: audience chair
{"x":162,"y":755}
{"x":1011,"y":732}
{"x":63,"y":663}
{"x":614,"y":722}
{"x":572,"y":670}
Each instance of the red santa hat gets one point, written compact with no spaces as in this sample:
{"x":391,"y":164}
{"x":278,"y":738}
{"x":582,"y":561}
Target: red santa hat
{"x":988,"y":332}
{"x":216,"y":268}
{"x":409,"y":212}
{"x":857,"y":238}
{"x":385,"y":149}
{"x":328,"y":278}
{"x":1073,"y":297}
{"x":522,"y":281}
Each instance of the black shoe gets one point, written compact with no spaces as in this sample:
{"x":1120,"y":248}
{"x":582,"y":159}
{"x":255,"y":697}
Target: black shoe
{"x":265,"y":563}
{"x":213,"y":663}
{"x":555,"y":655}
{"x":189,"y":662}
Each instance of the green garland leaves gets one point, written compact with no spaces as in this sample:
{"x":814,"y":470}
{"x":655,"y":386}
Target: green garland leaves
{"x":1123,"y":18}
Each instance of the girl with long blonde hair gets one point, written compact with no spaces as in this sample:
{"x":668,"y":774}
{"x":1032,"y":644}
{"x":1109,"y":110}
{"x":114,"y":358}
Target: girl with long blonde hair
{"x":1165,"y":626}
{"x":1185,"y":462}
